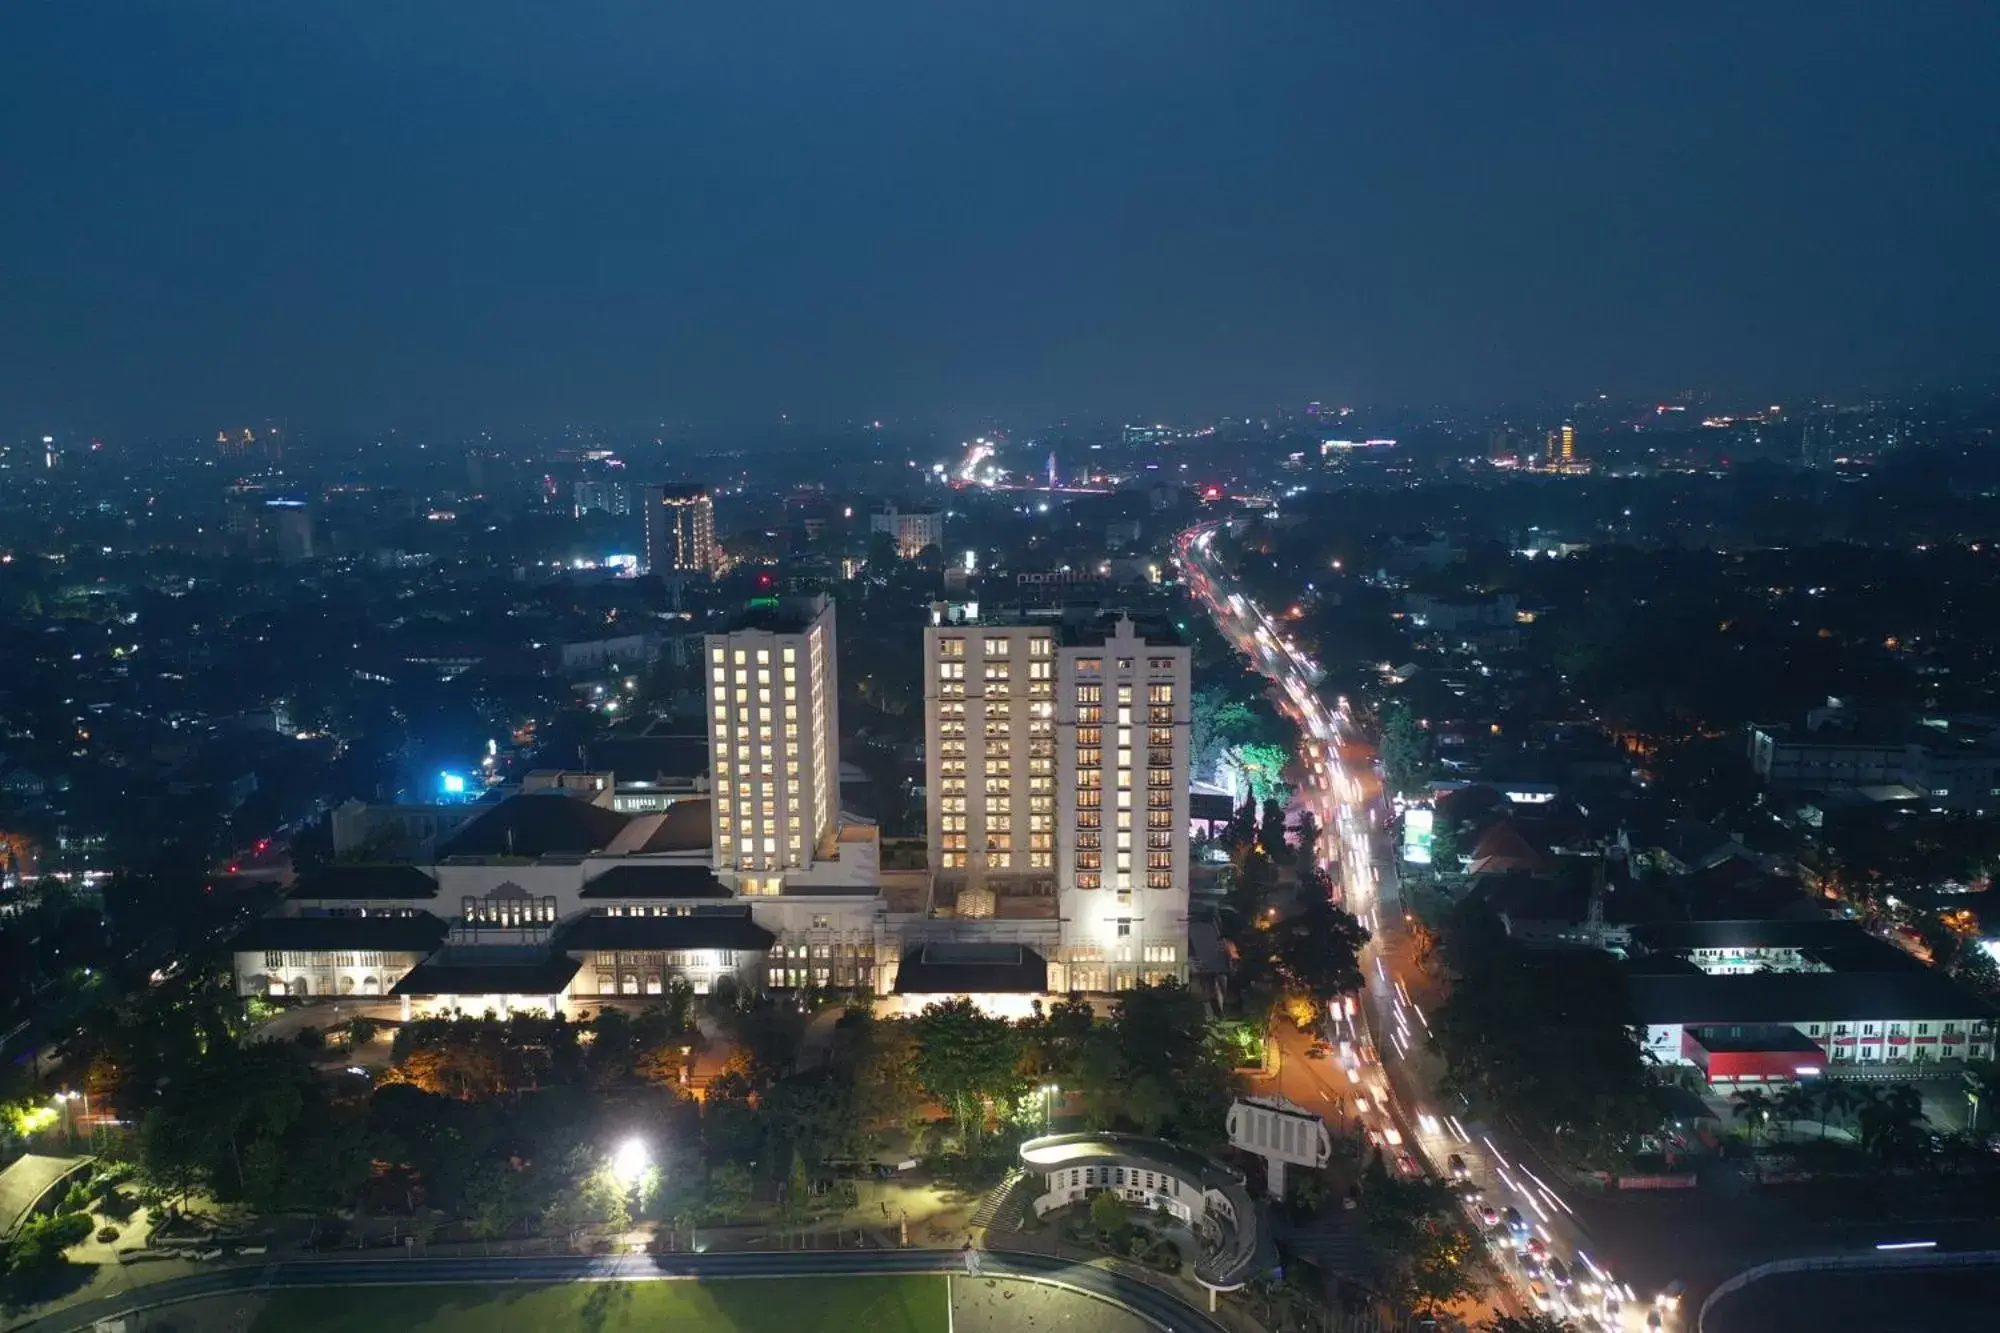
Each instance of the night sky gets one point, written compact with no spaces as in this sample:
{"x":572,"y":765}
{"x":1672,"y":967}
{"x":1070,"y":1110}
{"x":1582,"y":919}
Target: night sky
{"x":491,"y":212}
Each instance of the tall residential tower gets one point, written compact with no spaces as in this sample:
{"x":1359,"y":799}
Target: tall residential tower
{"x":680,"y":530}
{"x":774,"y":744}
{"x":1056,"y":765}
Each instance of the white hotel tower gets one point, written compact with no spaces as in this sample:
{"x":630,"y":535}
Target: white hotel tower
{"x":1056,"y":765}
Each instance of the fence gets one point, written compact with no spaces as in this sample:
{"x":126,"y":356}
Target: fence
{"x":1907,"y":1261}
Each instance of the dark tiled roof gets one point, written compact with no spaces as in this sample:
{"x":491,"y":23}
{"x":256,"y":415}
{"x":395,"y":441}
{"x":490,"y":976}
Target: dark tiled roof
{"x":419,"y":933}
{"x":706,"y":930}
{"x":684,"y":829}
{"x":538,"y":976}
{"x":1801,"y":997}
{"x":972,"y":969}
{"x":1503,"y":847}
{"x":537,"y":824}
{"x":656,"y":881}
{"x":348,"y":883}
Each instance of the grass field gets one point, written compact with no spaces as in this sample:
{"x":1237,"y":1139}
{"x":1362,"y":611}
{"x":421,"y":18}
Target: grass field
{"x":915,"y":1304}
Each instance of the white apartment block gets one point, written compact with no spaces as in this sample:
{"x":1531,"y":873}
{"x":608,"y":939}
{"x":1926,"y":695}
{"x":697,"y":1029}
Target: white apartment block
{"x":1122,"y":818}
{"x":774,"y":745}
{"x":1057,"y":764}
{"x":912,"y":531}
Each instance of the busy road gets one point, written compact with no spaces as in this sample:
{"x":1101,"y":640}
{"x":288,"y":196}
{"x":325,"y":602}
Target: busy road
{"x":1382,"y":1043}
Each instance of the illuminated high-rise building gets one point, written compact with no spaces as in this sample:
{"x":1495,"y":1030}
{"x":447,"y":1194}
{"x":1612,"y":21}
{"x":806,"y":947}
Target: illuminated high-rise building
{"x":1568,"y":443}
{"x":1122,"y":719}
{"x":774,"y":753}
{"x":990,"y":752}
{"x":680,"y":530}
{"x":1056,"y":766}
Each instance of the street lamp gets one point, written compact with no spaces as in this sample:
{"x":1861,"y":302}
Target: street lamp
{"x":64,"y":1100}
{"x":630,"y":1161}
{"x":1049,"y":1091}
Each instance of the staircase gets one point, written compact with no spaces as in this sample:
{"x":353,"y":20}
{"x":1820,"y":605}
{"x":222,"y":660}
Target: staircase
{"x":1003,"y":1206}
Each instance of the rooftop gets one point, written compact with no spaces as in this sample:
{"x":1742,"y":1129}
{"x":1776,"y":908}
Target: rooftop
{"x":1246,"y":1246}
{"x":972,"y":969}
{"x":702,"y":930}
{"x":1156,"y":631}
{"x":535,"y":825}
{"x":539,"y":975}
{"x":356,"y":882}
{"x":784,"y":615}
{"x":656,"y":880}
{"x":407,"y":934}
{"x":1680,"y":937}
{"x":1801,"y":997}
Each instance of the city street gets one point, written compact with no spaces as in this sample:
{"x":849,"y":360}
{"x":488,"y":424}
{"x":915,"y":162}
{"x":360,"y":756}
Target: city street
{"x":1385,"y":1042}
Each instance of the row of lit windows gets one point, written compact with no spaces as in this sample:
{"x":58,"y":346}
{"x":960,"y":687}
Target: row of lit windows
{"x":1091,"y":879}
{"x":997,"y":647}
{"x":788,"y":654}
{"x":721,"y":676}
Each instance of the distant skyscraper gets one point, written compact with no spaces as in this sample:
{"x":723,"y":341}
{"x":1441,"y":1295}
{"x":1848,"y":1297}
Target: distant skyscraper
{"x":1568,"y":443}
{"x":1054,"y":479}
{"x":610,"y":497}
{"x":774,"y":752}
{"x":680,"y":530}
{"x":913,"y":531}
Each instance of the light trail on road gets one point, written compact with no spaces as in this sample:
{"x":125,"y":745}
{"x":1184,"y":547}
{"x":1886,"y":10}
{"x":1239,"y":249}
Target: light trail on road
{"x":1339,"y":802}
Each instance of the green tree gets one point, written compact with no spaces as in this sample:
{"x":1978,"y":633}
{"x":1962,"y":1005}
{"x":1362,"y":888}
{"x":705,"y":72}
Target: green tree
{"x":882,"y":1058}
{"x":1406,"y":751}
{"x":1444,"y":847}
{"x":1056,"y":1038}
{"x":967,"y":1060}
{"x":1318,"y":952}
{"x":493,"y":1202}
{"x":1305,"y":839}
{"x":729,"y":1191}
{"x":1161,"y":1067}
{"x":1271,"y":833}
{"x":1546,"y":1039}
{"x":1108,"y":1212}
{"x":1793,"y":1104}
{"x":41,"y":1244}
{"x":1836,"y":1099}
{"x":1753,"y":1107}
{"x":1240,"y":834}
{"x":1262,"y":767}
{"x":1892,"y":1124}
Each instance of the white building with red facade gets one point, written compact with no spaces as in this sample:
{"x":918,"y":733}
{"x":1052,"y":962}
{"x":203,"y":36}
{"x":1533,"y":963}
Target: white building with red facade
{"x":1776,"y":1001}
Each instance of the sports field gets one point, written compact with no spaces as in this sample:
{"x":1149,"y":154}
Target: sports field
{"x":914,"y":1304}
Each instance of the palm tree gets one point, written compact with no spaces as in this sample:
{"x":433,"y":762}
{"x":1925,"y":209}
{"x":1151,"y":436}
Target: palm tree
{"x":1793,"y":1104}
{"x":1753,"y":1105}
{"x":1891,"y":1121}
{"x":1836,"y":1098}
